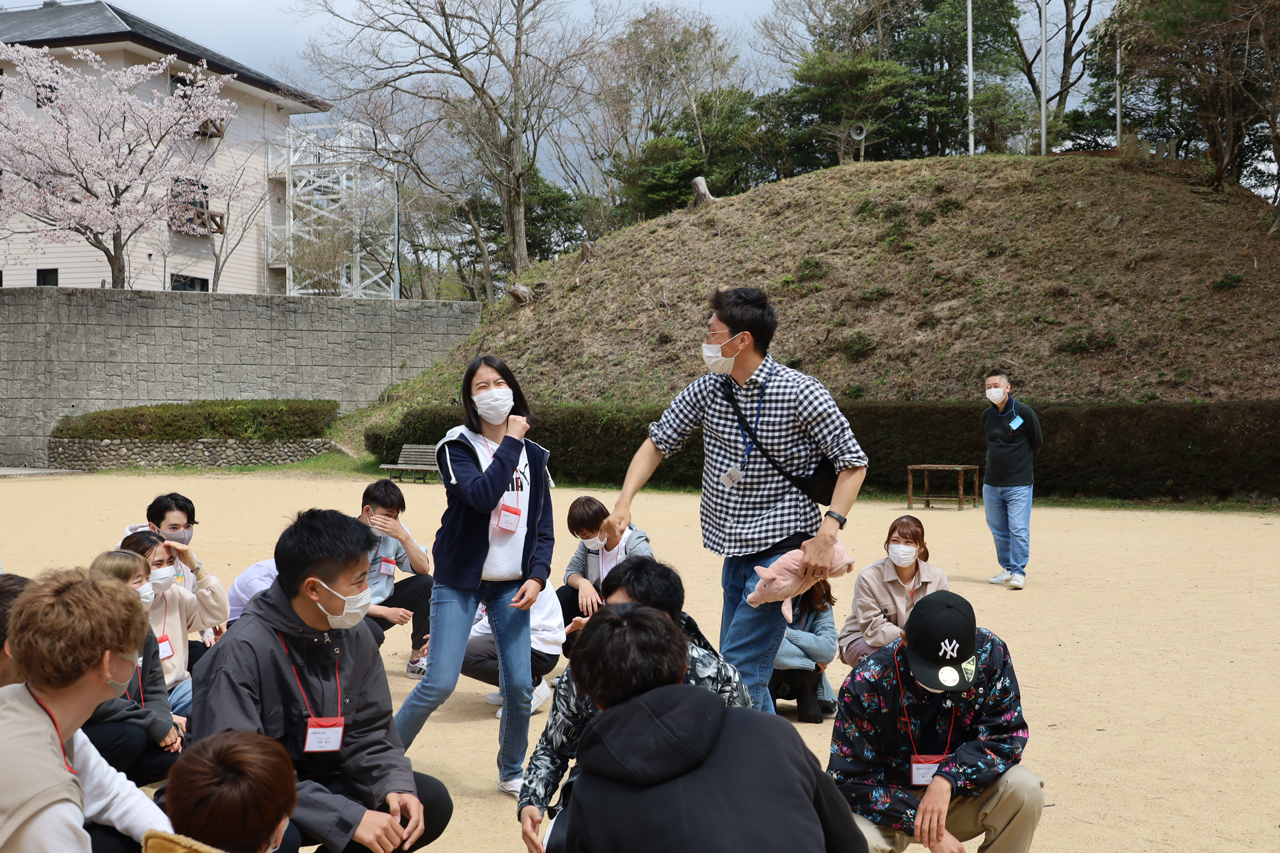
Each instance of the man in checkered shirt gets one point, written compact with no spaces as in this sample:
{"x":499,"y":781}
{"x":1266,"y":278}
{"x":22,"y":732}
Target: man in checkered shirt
{"x":751,"y":514}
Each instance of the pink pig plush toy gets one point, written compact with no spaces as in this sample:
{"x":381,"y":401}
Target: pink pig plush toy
{"x":783,"y":580}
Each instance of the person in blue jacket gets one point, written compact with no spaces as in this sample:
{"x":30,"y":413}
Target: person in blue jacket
{"x":493,"y":548}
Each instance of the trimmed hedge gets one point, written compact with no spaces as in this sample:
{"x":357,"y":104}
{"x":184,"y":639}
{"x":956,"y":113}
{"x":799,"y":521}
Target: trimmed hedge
{"x":267,"y":420}
{"x":1112,"y":450}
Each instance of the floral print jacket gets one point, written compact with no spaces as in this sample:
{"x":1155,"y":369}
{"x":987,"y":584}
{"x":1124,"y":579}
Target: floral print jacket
{"x":571,"y":711}
{"x":981,"y":731}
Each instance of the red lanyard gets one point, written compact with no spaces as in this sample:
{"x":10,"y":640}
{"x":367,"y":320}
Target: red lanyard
{"x":61,"y":745}
{"x":336,"y":678}
{"x":903,"y":690}
{"x":141,"y":696}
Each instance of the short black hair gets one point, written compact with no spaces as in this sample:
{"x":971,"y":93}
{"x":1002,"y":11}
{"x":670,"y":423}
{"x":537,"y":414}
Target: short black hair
{"x":142,"y":542}
{"x":647,"y":582}
{"x":11,"y":586}
{"x":164,"y":504}
{"x":520,"y":406}
{"x":996,"y":371}
{"x":383,"y":493}
{"x":320,"y":542}
{"x":586,"y":514}
{"x":747,"y":309}
{"x":626,"y":650}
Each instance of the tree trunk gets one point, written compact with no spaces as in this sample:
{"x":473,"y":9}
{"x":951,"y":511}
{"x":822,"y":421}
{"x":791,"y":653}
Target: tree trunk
{"x":701,"y":195}
{"x":483,"y":246}
{"x":116,"y":259}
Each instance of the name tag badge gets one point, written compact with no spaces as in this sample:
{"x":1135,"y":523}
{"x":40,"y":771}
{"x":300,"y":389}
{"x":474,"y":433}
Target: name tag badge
{"x":732,"y":477}
{"x":324,"y":734}
{"x":166,"y":647}
{"x":388,"y":567}
{"x":1016,"y":422}
{"x":509,"y":518}
{"x":923,"y":768}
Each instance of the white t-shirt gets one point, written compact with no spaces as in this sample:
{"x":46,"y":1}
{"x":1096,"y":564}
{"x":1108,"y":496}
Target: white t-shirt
{"x":606,"y":561}
{"x":249,"y":583}
{"x":506,"y":547}
{"x":546,"y":623}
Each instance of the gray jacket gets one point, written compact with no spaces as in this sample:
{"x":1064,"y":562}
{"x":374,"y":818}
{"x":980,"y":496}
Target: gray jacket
{"x":146,"y":705}
{"x":246,"y":683}
{"x":579,"y":564}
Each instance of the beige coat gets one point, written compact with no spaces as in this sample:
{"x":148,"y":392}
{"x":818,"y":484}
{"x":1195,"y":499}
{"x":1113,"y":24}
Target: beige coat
{"x":178,"y":612}
{"x":156,"y":841}
{"x":881,"y":602}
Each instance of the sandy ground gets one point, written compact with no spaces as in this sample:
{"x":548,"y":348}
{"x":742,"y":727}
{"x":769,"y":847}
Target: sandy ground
{"x":1147,"y":643}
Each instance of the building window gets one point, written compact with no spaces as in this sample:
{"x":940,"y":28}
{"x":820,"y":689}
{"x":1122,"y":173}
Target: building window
{"x":191,"y":212}
{"x":46,"y":94}
{"x":47,"y":278}
{"x":180,"y":85}
{"x":188,"y":283}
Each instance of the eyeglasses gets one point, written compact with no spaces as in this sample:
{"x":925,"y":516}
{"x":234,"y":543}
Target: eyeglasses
{"x":730,"y":332}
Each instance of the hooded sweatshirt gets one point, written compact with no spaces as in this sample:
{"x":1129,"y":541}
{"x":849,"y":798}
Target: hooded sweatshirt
{"x":146,"y":702}
{"x":249,"y":681}
{"x":674,"y":769}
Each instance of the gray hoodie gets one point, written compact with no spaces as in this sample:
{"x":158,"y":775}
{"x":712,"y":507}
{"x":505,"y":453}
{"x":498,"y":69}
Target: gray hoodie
{"x":587,"y":562}
{"x":246,"y":683}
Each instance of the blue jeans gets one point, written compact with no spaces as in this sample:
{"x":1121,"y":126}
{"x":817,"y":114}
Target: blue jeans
{"x":180,"y":698}
{"x":453,"y":611}
{"x":750,"y":636}
{"x":1009,"y":517}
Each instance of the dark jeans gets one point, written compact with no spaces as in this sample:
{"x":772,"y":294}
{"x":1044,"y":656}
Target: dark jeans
{"x":569,"y":606}
{"x":481,"y":661}
{"x":413,"y":593}
{"x":129,"y":749}
{"x":801,"y":685}
{"x":437,"y":809}
{"x":106,"y":839}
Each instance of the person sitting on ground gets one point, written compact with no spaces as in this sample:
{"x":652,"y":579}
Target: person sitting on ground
{"x":175,"y":612}
{"x":662,"y":757}
{"x":257,"y":578}
{"x":231,"y":793}
{"x":73,"y":638}
{"x":807,"y":648}
{"x":929,"y":736}
{"x":598,"y":554}
{"x":136,"y":733}
{"x":546,"y":634}
{"x":410,"y":599}
{"x":173,"y":516}
{"x":646,"y":581}
{"x":302,"y":667}
{"x":886,"y":591}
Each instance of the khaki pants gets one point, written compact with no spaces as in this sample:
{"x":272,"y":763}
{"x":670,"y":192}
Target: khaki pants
{"x":1007,"y":812}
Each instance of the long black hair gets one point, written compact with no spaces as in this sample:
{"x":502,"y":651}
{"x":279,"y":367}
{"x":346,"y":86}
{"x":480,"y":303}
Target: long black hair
{"x":520,"y":406}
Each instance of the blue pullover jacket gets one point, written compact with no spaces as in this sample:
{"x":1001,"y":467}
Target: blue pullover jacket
{"x":462,"y":543}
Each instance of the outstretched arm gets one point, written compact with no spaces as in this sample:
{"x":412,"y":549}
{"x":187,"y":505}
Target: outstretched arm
{"x":642,"y":466}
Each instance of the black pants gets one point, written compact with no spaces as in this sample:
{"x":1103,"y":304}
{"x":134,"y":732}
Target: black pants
{"x":481,"y":661}
{"x":569,"y":607}
{"x":129,"y":749}
{"x":413,"y":593}
{"x":437,"y":809}
{"x":195,"y":651}
{"x":801,"y":685}
{"x":106,"y":839}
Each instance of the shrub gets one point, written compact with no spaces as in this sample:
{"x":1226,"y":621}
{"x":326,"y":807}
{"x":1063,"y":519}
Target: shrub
{"x":948,"y":205}
{"x":1132,"y":451}
{"x":1079,"y":340}
{"x":858,"y":346}
{"x":270,"y":420}
{"x":1230,"y":281}
{"x":812,"y":269}
{"x":876,"y":294}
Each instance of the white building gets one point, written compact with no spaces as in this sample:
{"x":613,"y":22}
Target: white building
{"x":168,"y":259}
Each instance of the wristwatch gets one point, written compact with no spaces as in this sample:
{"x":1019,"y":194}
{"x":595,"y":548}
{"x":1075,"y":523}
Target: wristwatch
{"x":837,"y":516}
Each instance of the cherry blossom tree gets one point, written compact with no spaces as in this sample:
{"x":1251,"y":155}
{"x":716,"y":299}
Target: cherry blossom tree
{"x":93,"y":152}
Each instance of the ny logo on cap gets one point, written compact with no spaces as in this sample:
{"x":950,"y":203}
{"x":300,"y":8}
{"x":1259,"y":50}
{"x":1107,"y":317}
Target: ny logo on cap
{"x":950,"y":648}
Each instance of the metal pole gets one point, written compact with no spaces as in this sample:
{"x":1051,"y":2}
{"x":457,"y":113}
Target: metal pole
{"x":1044,"y":78}
{"x":1119,"y":125}
{"x":969,"y":24}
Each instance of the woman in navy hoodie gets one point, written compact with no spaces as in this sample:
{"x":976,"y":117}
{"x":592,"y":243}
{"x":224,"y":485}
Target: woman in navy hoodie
{"x":493,"y":548}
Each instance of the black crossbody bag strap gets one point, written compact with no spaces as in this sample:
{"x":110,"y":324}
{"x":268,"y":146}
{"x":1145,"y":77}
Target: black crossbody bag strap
{"x":737,"y":410}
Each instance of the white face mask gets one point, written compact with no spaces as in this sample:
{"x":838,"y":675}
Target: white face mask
{"x":119,"y":687}
{"x":494,"y":405}
{"x":715,"y":361}
{"x":595,"y":543}
{"x":354,"y":607}
{"x":995,"y":395}
{"x":903,"y":555}
{"x":147,"y":593}
{"x":163,"y":578}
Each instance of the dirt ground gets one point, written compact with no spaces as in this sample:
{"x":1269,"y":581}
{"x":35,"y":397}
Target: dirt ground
{"x":1147,"y":643}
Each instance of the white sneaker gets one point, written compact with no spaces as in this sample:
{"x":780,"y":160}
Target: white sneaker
{"x":1002,"y":578}
{"x":511,"y":787}
{"x":1017,"y":581}
{"x":541,"y":694}
{"x":494,"y":699}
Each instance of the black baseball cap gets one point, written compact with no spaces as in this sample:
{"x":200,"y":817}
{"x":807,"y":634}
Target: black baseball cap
{"x":942,"y":635}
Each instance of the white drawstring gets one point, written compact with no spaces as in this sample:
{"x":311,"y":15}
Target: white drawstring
{"x":452,"y":478}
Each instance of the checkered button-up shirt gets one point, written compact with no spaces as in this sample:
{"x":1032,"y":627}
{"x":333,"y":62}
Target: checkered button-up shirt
{"x":798,"y":423}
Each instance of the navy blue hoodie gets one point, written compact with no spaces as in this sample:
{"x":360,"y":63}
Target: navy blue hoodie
{"x":462,"y":543}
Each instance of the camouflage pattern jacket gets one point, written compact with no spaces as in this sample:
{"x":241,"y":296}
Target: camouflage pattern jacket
{"x":571,"y":711}
{"x":981,"y":731}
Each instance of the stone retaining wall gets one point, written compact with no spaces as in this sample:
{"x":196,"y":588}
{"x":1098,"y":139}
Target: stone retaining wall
{"x":89,"y":455}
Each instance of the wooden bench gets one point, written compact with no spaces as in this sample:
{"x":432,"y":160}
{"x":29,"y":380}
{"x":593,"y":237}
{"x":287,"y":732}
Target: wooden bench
{"x":418,"y":459}
{"x":928,"y":496}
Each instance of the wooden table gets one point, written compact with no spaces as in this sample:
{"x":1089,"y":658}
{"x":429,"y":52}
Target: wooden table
{"x":961,"y":471}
